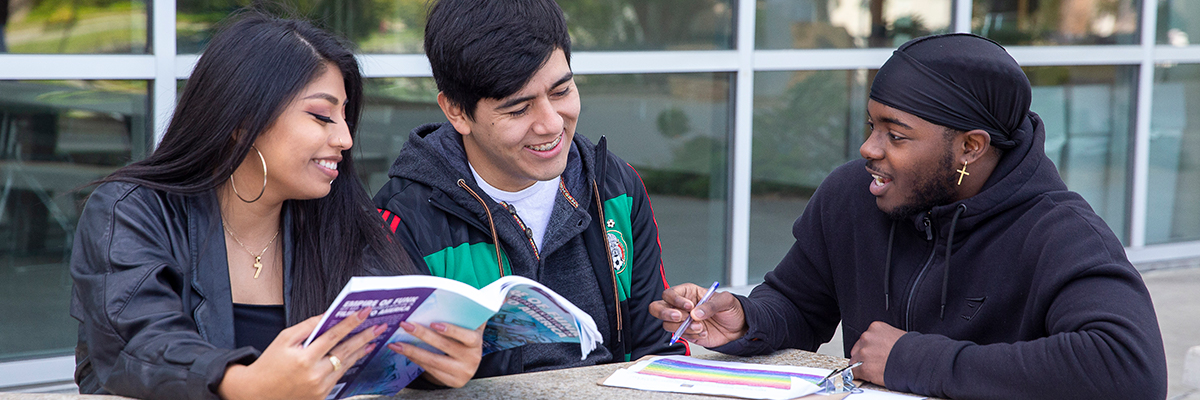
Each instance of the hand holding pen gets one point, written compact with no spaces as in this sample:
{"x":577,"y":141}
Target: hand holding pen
{"x":688,"y":322}
{"x":701,"y":315}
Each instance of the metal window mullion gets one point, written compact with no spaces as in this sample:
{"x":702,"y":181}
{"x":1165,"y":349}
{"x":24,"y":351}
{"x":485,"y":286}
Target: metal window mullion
{"x":76,"y":66}
{"x":163,"y":39}
{"x":739,"y":218}
{"x":962,"y":16}
{"x":1164,"y":252}
{"x":1141,"y":147}
{"x":819,"y":59}
{"x":1164,"y":54}
{"x":37,"y":371}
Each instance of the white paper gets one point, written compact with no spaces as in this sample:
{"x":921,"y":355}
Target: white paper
{"x":868,"y":394}
{"x":631,"y":378}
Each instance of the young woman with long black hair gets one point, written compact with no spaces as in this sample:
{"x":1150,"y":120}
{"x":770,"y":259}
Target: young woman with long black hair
{"x":190,"y":265}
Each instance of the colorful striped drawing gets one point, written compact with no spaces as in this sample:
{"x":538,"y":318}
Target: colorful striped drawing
{"x":677,"y":369}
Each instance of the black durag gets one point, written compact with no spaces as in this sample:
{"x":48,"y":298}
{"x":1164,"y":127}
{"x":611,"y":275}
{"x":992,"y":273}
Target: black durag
{"x":960,"y":81}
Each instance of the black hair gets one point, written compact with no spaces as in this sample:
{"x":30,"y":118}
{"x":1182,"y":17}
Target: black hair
{"x":251,"y":70}
{"x":491,"y":48}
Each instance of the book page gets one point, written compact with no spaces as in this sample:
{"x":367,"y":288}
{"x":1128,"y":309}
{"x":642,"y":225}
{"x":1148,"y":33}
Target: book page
{"x":532,"y":313}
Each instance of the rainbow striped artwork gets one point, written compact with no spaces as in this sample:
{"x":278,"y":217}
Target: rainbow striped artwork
{"x":683,"y":374}
{"x":743,"y":374}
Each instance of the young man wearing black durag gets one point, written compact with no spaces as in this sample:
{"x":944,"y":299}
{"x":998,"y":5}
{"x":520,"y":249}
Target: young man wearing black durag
{"x":953,"y":254}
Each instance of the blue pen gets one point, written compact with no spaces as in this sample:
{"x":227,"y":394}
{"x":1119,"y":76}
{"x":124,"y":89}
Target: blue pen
{"x":688,"y":322}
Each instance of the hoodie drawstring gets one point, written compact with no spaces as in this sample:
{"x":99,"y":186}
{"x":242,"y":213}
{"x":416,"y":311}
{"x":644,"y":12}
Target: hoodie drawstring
{"x":949,"y":246}
{"x":887,"y":271}
{"x":495,"y":239}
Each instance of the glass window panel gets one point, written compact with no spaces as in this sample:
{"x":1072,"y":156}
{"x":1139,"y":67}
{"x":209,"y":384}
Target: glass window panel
{"x":820,"y":24}
{"x":674,"y":129}
{"x":650,"y":24}
{"x":73,"y":27}
{"x":1061,"y":22}
{"x":393,"y":107}
{"x":1089,"y":115}
{"x":805,"y":125}
{"x":398,"y":26}
{"x":1172,"y":212}
{"x":1178,"y":22}
{"x":54,"y":137}
{"x":375,"y":26}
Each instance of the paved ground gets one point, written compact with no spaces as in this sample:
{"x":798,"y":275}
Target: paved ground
{"x":1178,"y":307}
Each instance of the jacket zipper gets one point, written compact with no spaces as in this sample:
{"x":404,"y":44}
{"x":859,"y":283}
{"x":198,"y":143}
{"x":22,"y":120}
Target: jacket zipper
{"x":913,"y":292}
{"x":611,"y":268}
{"x":491,"y":224}
{"x":521,"y":224}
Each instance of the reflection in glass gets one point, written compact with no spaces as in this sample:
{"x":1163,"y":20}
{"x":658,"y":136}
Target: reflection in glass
{"x":375,"y":26}
{"x":650,"y":24}
{"x":1089,"y":112}
{"x":54,"y":137}
{"x":805,"y":124}
{"x":73,"y":27}
{"x":821,"y":24}
{"x":1062,"y":22}
{"x":1172,"y":212}
{"x":393,"y":107}
{"x":674,"y":129}
{"x":1178,"y":22}
{"x":398,"y":26}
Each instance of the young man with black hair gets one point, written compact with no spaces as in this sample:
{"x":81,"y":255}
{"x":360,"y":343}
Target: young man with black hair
{"x":507,"y":187}
{"x":955,"y":258}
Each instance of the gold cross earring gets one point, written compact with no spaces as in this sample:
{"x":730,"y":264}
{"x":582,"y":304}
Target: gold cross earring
{"x":962,"y":172}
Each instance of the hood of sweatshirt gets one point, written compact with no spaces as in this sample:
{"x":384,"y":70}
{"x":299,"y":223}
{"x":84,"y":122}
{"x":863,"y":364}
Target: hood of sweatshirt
{"x":434,"y":156}
{"x":1023,"y":173}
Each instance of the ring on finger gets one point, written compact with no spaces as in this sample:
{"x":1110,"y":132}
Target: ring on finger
{"x":337,"y":363}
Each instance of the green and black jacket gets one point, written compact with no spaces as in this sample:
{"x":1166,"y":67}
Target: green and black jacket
{"x":452,"y":228}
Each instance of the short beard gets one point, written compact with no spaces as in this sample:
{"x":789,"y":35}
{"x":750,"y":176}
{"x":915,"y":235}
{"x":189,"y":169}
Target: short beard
{"x":937,"y":190}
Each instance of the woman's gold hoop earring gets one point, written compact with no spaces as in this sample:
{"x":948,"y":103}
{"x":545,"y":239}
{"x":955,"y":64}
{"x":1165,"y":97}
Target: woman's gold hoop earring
{"x":264,"y":186}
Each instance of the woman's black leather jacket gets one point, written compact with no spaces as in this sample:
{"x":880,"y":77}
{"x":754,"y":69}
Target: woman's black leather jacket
{"x":152,"y":294}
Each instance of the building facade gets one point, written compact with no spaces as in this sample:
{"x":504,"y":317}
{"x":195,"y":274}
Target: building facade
{"x":733,"y":112}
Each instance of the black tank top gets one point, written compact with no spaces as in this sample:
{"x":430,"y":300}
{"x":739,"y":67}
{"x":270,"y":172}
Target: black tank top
{"x":257,"y":324}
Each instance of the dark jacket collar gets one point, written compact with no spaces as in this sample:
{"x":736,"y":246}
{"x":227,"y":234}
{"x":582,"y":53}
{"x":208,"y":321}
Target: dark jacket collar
{"x":434,"y":156}
{"x":214,"y":315}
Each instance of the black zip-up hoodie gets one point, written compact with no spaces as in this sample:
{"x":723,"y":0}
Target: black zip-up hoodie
{"x":1033,"y":297}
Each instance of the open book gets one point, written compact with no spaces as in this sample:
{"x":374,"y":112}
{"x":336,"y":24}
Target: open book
{"x":517,"y":310}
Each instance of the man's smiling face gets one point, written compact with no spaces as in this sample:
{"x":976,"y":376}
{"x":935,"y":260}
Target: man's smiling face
{"x":911,"y":161}
{"x":524,"y":138}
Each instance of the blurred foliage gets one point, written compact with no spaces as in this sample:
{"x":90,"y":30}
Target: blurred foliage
{"x":673,"y":123}
{"x":398,"y":26}
{"x":649,"y":24}
{"x":1050,"y":22}
{"x":375,"y":25}
{"x":802,"y":135}
{"x":76,"y":27}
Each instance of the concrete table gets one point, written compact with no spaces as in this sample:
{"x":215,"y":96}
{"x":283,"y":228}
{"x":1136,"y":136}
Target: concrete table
{"x":571,"y":383}
{"x":581,"y":383}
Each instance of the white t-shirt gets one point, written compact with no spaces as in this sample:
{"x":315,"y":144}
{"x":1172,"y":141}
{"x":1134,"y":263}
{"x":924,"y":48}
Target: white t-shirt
{"x":533,"y":204}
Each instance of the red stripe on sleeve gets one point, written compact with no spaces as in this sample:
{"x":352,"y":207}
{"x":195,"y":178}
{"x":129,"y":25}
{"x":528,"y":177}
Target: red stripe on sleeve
{"x":661,"y":271}
{"x":395,"y":224}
